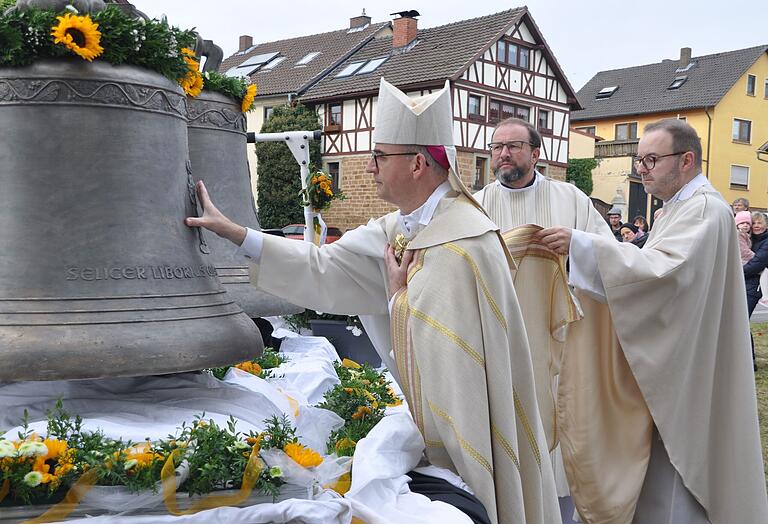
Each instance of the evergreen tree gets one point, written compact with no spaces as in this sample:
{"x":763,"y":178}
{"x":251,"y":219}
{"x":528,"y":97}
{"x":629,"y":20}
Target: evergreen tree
{"x":279,"y":180}
{"x":579,"y":172}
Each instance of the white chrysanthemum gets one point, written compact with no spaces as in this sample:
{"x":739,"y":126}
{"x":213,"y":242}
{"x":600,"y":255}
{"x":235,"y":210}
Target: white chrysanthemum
{"x":7,"y":449}
{"x":32,"y":449}
{"x":275,"y":472}
{"x":33,"y":478}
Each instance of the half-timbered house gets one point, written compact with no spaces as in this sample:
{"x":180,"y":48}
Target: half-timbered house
{"x":498,"y":66}
{"x":284,"y":69}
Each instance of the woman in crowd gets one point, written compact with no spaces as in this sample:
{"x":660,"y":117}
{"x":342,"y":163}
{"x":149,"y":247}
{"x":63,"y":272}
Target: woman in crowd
{"x":757,"y":264}
{"x":642,"y":226}
{"x":631,"y":233}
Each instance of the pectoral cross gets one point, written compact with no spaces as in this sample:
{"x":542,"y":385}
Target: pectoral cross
{"x":401,"y":244}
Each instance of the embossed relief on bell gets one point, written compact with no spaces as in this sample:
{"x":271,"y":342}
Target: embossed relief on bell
{"x":99,"y":276}
{"x":217,"y":150}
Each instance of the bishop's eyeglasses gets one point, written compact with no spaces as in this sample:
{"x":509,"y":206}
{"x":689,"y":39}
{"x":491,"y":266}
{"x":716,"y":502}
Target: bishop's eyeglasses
{"x":376,"y":155}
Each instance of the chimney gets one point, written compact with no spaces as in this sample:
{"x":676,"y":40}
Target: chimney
{"x":404,"y":28}
{"x":685,"y":57}
{"x":359,"y":21}
{"x":246,"y":41}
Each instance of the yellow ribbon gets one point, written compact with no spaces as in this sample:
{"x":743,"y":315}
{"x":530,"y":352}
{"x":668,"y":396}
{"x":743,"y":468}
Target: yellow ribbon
{"x":250,"y":476}
{"x":71,"y":500}
{"x":292,"y":402}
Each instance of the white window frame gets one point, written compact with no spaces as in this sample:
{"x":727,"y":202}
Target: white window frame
{"x":735,"y":184}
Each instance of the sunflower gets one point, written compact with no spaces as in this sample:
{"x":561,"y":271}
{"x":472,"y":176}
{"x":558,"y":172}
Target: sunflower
{"x":250,"y":94}
{"x":79,"y":34}
{"x":192,"y":81}
{"x":303,"y":455}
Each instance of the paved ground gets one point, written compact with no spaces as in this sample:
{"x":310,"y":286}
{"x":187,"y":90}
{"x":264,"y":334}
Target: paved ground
{"x":760,"y":314}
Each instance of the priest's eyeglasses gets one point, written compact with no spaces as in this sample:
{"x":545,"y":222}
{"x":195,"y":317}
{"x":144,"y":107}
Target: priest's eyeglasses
{"x":512,"y":147}
{"x":649,"y":161}
{"x":376,"y":155}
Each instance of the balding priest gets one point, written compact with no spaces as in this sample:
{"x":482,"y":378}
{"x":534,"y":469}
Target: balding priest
{"x":456,"y":340}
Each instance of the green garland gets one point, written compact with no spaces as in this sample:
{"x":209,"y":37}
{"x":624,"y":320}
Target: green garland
{"x":231,"y":87}
{"x":25,"y":37}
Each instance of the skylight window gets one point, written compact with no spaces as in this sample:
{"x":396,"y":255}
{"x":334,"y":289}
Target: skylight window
{"x":677,"y":82}
{"x":272,"y":64}
{"x":308,"y":58}
{"x":371,"y":65}
{"x":606,"y":92}
{"x":253,"y":64}
{"x":257,"y":60}
{"x":686,"y":68}
{"x":350,"y":69}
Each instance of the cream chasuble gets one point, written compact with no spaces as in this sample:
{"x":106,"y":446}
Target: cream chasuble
{"x":502,"y":458}
{"x":588,"y":399}
{"x":463,"y":359}
{"x":680,"y":314}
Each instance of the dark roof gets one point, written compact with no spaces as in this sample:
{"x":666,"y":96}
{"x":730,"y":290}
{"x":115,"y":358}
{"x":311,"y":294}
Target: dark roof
{"x":440,"y":53}
{"x":643,"y":89}
{"x":286,"y":77}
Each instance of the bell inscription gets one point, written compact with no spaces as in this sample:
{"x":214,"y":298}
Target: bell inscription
{"x":140,"y":272}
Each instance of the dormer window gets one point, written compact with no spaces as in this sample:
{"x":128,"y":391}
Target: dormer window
{"x":513,"y":54}
{"x":606,"y":92}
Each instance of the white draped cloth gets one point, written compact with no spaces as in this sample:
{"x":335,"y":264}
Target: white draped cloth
{"x":154,"y":407}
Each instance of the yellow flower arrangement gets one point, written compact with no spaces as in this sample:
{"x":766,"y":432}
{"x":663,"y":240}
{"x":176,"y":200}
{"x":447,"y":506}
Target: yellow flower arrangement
{"x":303,"y":455}
{"x":250,"y":94}
{"x":79,"y":34}
{"x":361,"y":412}
{"x":251,"y":367}
{"x":192,"y":82}
{"x":318,"y":194}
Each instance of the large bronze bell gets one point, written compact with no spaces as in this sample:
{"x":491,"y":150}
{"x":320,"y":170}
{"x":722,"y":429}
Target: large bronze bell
{"x":99,"y":276}
{"x":217,"y":150}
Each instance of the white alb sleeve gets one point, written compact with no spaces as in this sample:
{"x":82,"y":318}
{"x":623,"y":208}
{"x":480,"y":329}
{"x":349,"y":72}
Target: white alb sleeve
{"x":584,"y":273}
{"x":252,"y":246}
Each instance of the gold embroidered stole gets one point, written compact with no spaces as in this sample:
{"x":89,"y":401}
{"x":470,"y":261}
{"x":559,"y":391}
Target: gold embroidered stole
{"x":403,"y":350}
{"x":548,"y":308}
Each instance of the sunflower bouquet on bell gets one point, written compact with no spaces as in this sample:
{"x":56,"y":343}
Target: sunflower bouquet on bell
{"x":29,"y":34}
{"x":319,"y":192}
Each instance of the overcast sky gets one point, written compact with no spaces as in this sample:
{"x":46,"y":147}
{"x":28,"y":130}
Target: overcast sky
{"x":586,"y":36}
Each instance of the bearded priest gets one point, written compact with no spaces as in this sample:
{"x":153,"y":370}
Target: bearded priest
{"x":439,"y":270}
{"x":576,"y":355}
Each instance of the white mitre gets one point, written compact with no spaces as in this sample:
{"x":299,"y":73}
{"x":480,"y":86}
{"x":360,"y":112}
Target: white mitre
{"x":423,"y":120}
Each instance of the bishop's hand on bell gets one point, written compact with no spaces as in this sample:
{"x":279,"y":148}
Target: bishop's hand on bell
{"x":214,"y":220}
{"x":397,"y":268}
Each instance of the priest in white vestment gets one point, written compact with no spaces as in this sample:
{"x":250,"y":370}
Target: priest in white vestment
{"x":456,"y":342}
{"x":605,"y":473}
{"x":680,"y":314}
